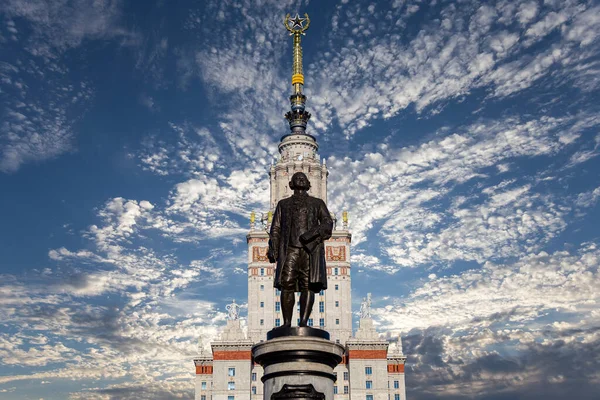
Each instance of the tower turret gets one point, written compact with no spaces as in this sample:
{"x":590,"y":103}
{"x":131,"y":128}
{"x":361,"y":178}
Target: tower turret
{"x":298,"y":149}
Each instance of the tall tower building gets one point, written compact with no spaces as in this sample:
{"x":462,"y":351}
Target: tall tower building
{"x":369,"y":371}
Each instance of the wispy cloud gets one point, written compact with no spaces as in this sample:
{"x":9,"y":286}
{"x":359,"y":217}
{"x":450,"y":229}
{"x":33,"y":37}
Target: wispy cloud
{"x":41,"y":100}
{"x":392,"y":193}
{"x":489,"y":331}
{"x":380,"y":67}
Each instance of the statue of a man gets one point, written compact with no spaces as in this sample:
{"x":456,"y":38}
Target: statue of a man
{"x":301,"y":224}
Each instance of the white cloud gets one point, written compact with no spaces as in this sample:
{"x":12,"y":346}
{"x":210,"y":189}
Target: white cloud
{"x":393,"y":193}
{"x":516,"y":295}
{"x":360,"y":82}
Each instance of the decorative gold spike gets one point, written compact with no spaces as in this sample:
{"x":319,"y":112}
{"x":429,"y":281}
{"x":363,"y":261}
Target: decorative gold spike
{"x":297,"y":26}
{"x":252,"y":217}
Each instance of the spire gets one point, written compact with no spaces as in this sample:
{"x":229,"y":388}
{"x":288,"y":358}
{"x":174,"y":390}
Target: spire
{"x":298,"y":117}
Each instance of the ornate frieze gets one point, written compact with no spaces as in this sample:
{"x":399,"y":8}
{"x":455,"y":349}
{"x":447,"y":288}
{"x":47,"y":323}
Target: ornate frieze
{"x":259,"y":254}
{"x":335,"y":253}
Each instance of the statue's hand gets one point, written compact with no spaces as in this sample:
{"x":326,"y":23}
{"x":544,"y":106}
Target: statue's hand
{"x":272,"y":256}
{"x":308,"y":237}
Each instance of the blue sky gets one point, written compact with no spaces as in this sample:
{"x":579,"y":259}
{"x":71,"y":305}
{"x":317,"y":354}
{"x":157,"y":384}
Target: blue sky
{"x":462,"y":137}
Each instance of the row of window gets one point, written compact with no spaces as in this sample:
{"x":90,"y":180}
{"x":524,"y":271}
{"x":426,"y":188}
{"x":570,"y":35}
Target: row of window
{"x":278,"y":305}
{"x":278,"y":292}
{"x":368,"y":385}
{"x":335,"y":391}
{"x":368,"y":397}
{"x":310,"y":322}
{"x":368,"y":371}
{"x":336,"y":271}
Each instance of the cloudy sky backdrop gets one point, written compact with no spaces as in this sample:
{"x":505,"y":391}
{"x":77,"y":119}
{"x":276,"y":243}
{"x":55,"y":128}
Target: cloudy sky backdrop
{"x":461,"y":136}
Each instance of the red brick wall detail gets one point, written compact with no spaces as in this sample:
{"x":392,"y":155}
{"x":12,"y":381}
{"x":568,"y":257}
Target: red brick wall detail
{"x":368,"y":354}
{"x":231,"y":355}
{"x":396,"y":368}
{"x":204,"y":369}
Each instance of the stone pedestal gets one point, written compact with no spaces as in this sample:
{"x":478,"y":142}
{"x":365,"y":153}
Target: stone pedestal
{"x":297,"y":358}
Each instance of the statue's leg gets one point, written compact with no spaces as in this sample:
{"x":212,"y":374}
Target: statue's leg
{"x":288,"y":299}
{"x":288,"y":285}
{"x":307,"y":297}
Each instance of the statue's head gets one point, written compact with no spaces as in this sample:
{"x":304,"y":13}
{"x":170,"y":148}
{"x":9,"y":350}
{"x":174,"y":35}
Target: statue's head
{"x":299,"y":181}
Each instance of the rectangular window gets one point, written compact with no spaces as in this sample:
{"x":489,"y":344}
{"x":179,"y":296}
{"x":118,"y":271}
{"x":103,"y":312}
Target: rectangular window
{"x":335,"y":271}
{"x":396,"y":396}
{"x":337,"y":321}
{"x":337,"y":303}
{"x":321,"y":306}
{"x":254,"y":376}
{"x":335,"y":374}
{"x":322,"y":292}
{"x":262,"y":321}
{"x":396,"y":385}
{"x":231,"y":371}
{"x":335,"y":390}
{"x":321,"y":322}
{"x":262,"y":304}
{"x":369,"y":384}
{"x":262,"y":287}
{"x":253,"y":389}
{"x":277,"y":322}
{"x":346,"y":389}
{"x":277,"y":306}
{"x":337,"y":287}
{"x":230,"y":385}
{"x":262,"y":272}
{"x":369,"y":397}
{"x":203,"y":385}
{"x":346,"y":375}
{"x":230,"y":397}
{"x":203,"y":397}
{"x":277,"y":292}
{"x":368,"y":370}
{"x":337,"y":341}
{"x":310,"y":322}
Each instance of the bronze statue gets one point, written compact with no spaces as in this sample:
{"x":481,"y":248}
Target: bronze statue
{"x":301,"y":224}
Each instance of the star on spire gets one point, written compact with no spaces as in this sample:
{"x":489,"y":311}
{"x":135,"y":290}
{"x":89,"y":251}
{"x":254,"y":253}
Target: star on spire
{"x":297,"y":22}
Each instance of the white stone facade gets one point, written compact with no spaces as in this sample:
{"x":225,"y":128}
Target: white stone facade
{"x":369,"y":371}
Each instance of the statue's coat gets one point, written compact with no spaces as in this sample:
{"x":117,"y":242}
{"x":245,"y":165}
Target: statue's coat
{"x":320,"y":226}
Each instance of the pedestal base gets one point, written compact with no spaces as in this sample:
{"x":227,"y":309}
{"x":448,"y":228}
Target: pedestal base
{"x":298,"y":360}
{"x":297,"y":331}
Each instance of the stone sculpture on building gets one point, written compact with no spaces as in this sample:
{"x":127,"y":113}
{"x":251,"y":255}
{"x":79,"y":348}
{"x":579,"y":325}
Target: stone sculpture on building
{"x":233,"y":310}
{"x":365,"y":307}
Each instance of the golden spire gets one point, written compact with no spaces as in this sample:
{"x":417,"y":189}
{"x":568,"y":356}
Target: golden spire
{"x":297,"y":28}
{"x":298,"y":117}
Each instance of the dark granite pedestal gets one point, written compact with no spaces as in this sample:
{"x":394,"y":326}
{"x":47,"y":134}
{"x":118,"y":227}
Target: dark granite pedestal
{"x":298,"y":363}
